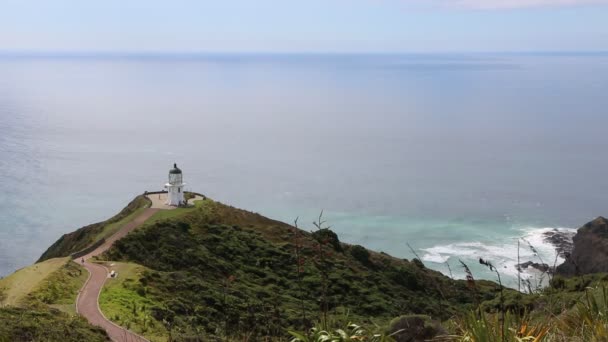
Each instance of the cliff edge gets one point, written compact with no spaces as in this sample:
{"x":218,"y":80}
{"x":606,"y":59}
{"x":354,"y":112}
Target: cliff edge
{"x":590,"y":251}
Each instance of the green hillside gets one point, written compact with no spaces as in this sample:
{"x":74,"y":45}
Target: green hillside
{"x":213,"y":272}
{"x":40,"y":324}
{"x":215,"y":269}
{"x":88,"y":235}
{"x":37,"y":303}
{"x":22,"y":282}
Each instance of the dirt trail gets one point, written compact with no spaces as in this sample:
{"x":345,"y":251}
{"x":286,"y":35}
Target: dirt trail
{"x":87,"y":303}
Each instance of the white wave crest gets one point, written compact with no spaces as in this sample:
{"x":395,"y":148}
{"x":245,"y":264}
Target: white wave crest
{"x":503,"y":253}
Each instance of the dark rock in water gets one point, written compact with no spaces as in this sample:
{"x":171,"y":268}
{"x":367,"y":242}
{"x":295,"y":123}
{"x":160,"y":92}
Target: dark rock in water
{"x":590,"y":250}
{"x":536,"y":265}
{"x":562,"y":240}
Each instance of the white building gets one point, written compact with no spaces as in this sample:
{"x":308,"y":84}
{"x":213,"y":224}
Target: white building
{"x":175,"y":187}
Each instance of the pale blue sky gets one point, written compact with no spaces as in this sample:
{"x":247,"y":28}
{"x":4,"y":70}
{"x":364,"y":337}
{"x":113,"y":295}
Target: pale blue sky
{"x":303,"y":26}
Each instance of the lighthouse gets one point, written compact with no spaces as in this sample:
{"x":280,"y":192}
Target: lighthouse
{"x":175,"y":187}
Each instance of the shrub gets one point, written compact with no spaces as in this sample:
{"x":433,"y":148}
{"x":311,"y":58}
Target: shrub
{"x":141,"y":291}
{"x":414,"y":328}
{"x":326,"y":235}
{"x":418,"y":263}
{"x":557,"y":282}
{"x":352,"y":332}
{"x":360,"y":253}
{"x":406,"y":277}
{"x":189,"y":196}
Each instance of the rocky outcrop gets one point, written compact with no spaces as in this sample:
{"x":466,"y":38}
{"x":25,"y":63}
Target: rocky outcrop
{"x":590,"y":250}
{"x":561,"y":239}
{"x":534,"y":265}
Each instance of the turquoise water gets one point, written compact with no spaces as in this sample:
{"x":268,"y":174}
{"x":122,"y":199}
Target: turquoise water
{"x":454,"y":154}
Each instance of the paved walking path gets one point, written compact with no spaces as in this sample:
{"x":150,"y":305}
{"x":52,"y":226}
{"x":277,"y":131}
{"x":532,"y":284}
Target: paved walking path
{"x":87,"y":302}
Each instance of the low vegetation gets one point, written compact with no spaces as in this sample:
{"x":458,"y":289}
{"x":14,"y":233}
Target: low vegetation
{"x":44,"y":324}
{"x":60,"y":289}
{"x":586,"y":320}
{"x":216,"y":273}
{"x":219,"y":271}
{"x":124,"y":301}
{"x":37,"y":303}
{"x":16,"y":287}
{"x":345,"y":333}
{"x":565,"y":314}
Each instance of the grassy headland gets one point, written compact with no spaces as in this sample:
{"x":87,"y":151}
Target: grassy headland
{"x":88,"y":235}
{"x":215,"y":272}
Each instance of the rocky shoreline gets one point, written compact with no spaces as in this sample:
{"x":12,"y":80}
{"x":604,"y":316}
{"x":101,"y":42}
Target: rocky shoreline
{"x":562,"y":240}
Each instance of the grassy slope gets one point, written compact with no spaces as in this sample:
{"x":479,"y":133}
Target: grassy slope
{"x":37,"y":303}
{"x":18,"y":285}
{"x":54,"y":282}
{"x":42,"y":324}
{"x":570,"y":310}
{"x":109,"y":229}
{"x":215,"y":267}
{"x":86,"y":236}
{"x":60,"y":289}
{"x":35,"y":296}
{"x":123,"y":300}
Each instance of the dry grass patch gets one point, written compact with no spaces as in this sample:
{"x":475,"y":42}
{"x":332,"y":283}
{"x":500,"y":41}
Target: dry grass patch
{"x":18,"y":285}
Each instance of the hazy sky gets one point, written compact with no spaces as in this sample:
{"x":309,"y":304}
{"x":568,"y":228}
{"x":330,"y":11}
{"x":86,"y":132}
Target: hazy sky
{"x":305,"y":25}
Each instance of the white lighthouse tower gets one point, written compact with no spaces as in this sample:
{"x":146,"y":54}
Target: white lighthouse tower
{"x":175,"y":187}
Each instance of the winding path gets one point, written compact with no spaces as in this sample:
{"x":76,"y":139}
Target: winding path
{"x":87,"y":302}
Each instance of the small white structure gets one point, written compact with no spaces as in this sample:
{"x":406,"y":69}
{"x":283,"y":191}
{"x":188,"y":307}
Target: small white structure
{"x":175,"y":187}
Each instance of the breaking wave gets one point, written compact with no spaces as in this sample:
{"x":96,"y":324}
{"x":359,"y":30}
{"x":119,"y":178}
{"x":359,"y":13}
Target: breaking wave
{"x":503,"y":253}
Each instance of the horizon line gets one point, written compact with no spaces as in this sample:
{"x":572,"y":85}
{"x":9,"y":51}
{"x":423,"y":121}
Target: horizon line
{"x":176,"y":53}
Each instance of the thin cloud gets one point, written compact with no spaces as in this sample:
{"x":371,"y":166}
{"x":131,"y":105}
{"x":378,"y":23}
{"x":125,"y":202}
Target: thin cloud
{"x":513,"y":4}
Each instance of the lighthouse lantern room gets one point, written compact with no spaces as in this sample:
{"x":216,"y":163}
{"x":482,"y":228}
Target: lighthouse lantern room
{"x":175,"y":187}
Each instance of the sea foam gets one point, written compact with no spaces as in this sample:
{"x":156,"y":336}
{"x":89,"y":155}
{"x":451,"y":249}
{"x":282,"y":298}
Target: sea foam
{"x":502,"y":253}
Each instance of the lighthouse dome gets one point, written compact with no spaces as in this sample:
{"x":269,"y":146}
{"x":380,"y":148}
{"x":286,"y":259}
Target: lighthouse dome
{"x":175,"y":170}
{"x":175,"y":176}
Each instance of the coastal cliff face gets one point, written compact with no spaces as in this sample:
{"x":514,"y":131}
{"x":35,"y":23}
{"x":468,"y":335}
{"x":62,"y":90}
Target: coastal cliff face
{"x":590,"y":251}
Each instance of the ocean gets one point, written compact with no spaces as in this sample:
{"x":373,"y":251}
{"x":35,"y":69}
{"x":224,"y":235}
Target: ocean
{"x":457,"y":155}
